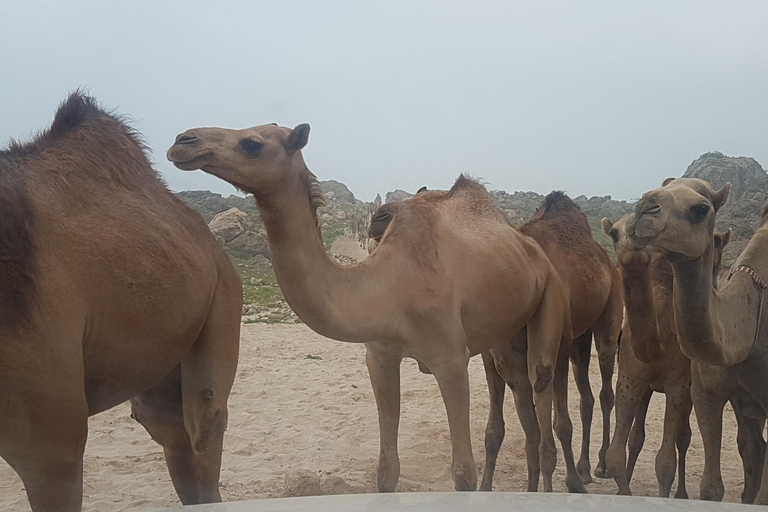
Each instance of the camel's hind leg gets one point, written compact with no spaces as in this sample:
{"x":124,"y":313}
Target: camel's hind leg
{"x":563,"y":425}
{"x":44,"y":422}
{"x":581,"y":352}
{"x":195,"y":475}
{"x":545,"y":332}
{"x":510,"y":361}
{"x":495,"y":428}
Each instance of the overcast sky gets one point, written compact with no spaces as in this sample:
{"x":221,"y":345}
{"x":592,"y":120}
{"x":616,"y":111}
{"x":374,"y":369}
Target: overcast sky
{"x":594,"y":98}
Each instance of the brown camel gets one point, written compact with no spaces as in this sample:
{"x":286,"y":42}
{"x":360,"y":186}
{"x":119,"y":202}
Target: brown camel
{"x":594,"y":287}
{"x":436,"y":288}
{"x":650,"y":362}
{"x":721,"y":330}
{"x":110,"y":289}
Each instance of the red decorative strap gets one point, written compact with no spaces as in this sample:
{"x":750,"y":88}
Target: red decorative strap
{"x":749,"y":270}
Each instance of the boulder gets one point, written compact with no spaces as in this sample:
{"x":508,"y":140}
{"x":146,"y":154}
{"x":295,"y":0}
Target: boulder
{"x":229,"y":224}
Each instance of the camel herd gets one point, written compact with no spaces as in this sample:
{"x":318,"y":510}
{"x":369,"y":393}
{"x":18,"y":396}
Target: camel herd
{"x":111,"y":289}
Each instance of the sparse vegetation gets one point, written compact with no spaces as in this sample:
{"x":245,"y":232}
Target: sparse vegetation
{"x":310,"y":356}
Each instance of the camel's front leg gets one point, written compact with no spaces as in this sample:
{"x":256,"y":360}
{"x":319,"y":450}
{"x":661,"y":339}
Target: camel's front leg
{"x":709,"y":415}
{"x":752,"y":450}
{"x":637,"y":434}
{"x":453,"y":379}
{"x":494,"y":429}
{"x":629,"y":397}
{"x":384,"y":371}
{"x":678,"y":408}
{"x":44,"y":421}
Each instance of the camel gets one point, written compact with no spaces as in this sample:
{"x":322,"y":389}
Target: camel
{"x":110,"y":289}
{"x":721,"y":330}
{"x":594,"y":287}
{"x":436,"y":288}
{"x":651,"y":362}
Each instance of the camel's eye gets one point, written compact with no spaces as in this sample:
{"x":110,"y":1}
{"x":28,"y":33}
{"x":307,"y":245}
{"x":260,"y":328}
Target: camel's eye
{"x":381,"y":216}
{"x":699,"y":212}
{"x":251,"y":147}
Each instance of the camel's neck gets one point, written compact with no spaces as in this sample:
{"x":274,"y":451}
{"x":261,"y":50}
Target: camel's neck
{"x":337,"y":302}
{"x":645,"y":313}
{"x":700,"y":317}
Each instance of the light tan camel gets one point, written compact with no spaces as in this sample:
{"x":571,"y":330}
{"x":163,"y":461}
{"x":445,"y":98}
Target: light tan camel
{"x":594,"y":287}
{"x":650,"y":361}
{"x":436,"y":288}
{"x":723,"y":331}
{"x":110,"y":288}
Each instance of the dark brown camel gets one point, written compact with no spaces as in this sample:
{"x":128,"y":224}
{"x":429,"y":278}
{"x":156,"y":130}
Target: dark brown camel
{"x":110,"y":289}
{"x":594,"y":285}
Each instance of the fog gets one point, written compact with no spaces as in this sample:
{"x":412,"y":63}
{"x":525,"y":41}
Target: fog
{"x":592,"y":98}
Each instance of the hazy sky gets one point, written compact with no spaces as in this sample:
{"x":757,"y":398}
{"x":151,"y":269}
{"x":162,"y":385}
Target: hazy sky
{"x":594,"y":98}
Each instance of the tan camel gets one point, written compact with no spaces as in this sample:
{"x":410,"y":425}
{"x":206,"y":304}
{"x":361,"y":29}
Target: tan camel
{"x":651,"y":361}
{"x":722,"y":330}
{"x":594,"y":287}
{"x":110,"y":288}
{"x":436,"y":288}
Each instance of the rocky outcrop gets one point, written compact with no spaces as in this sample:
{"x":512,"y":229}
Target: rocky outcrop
{"x":238,"y":233}
{"x":749,"y":192}
{"x":339,"y":190}
{"x":397,"y":195}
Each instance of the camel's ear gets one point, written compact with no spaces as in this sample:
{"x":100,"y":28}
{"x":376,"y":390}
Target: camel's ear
{"x":667,"y":182}
{"x":721,"y":196}
{"x":727,"y":237}
{"x":607,"y":225}
{"x":297,"y":139}
{"x":422,"y":189}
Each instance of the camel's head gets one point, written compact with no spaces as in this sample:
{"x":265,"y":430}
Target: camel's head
{"x":628,"y":254}
{"x":254,"y":159}
{"x":677,"y":219}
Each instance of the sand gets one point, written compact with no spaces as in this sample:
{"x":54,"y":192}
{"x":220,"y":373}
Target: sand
{"x":290,"y":413}
{"x":303,"y":420}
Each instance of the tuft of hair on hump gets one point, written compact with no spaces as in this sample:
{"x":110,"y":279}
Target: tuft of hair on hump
{"x":77,"y":111}
{"x":464,"y":181}
{"x":556,"y":201}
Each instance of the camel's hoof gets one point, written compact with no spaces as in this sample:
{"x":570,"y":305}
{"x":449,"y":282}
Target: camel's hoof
{"x":681,"y":494}
{"x":575,"y":485}
{"x":586,"y":478}
{"x":600,"y":472}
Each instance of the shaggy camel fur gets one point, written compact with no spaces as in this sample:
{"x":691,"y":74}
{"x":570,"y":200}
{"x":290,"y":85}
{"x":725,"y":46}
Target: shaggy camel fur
{"x":650,"y":362}
{"x":110,"y":288}
{"x":594,"y":287}
{"x":723,"y":331}
{"x":435,"y":289}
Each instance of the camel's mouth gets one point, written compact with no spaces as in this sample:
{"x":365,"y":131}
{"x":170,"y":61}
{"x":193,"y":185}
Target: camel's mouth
{"x":188,"y":162}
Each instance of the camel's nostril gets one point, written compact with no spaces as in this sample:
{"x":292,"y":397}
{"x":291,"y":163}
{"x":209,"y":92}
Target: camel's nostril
{"x":186,"y":139}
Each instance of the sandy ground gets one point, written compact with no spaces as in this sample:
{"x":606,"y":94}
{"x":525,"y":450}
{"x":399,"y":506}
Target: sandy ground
{"x":291,"y":413}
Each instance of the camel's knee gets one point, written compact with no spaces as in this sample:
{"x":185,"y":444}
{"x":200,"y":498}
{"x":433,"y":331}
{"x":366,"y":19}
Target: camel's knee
{"x":209,"y":420}
{"x":543,"y":377}
{"x":607,"y":397}
{"x":547,"y":456}
{"x":494,"y":435}
{"x":563,"y":428}
{"x":587,"y":401}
